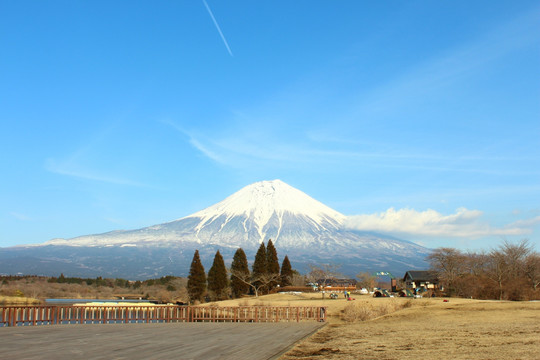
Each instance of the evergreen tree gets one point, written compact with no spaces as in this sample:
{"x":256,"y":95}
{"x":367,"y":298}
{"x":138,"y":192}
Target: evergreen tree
{"x":286,"y":272}
{"x":260,"y":267}
{"x":196,"y":285}
{"x":217,"y":278}
{"x":272,"y":263}
{"x":240,"y":268}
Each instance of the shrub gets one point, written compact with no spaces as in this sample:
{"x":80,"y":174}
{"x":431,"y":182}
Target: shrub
{"x":362,"y":311}
{"x":407,"y":304}
{"x":358,"y":312}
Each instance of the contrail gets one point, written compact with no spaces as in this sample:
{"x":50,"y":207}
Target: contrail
{"x":218,"y":28}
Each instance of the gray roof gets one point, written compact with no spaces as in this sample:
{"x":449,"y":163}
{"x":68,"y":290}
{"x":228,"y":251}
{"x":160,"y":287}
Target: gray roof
{"x":416,"y":275}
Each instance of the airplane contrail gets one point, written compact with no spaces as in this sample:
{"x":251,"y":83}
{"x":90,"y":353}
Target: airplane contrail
{"x":218,"y":28}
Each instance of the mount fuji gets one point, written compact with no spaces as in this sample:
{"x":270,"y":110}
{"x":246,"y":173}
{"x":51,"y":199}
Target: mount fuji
{"x":301,"y":227}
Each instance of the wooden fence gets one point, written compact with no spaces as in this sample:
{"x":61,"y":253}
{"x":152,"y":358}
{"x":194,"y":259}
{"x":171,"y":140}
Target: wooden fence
{"x":109,"y":314}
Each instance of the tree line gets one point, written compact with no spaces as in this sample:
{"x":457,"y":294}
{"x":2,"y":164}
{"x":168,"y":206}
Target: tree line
{"x":221,"y":283}
{"x":509,"y":272}
{"x":117,"y":282}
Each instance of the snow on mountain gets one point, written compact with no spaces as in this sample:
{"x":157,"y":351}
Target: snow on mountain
{"x":263,"y":200}
{"x":266,"y":209}
{"x":258,"y":212}
{"x":299,"y":226}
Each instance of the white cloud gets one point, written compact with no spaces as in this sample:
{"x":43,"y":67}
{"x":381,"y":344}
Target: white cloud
{"x":526,"y":222}
{"x":463,"y":223}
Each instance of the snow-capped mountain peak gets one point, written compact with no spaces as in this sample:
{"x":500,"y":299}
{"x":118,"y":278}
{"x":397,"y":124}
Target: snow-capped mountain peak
{"x":300,"y":226}
{"x":263,"y":200}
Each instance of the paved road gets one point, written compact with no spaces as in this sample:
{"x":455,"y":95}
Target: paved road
{"x":153,"y":341}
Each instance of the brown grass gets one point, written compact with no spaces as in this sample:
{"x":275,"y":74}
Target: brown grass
{"x":17,"y":300}
{"x":39,"y":288}
{"x":427,"y":328}
{"x":338,"y":310}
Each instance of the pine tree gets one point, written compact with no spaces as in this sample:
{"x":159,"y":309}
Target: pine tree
{"x":240,"y":269}
{"x":196,"y":285}
{"x":259,"y":265}
{"x":272,"y":263}
{"x":286,"y":272}
{"x":217,"y":278}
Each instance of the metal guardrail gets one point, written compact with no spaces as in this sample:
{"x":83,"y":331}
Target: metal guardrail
{"x":56,"y":315}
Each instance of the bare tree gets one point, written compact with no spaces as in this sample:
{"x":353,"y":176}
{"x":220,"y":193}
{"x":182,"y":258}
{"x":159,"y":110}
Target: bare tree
{"x":475,"y":263}
{"x":511,"y":271}
{"x":449,"y":264}
{"x":298,"y":279}
{"x":515,"y":255}
{"x":256,"y":282}
{"x":497,"y":269}
{"x":322,"y":273}
{"x":366,"y":280}
{"x":506,"y":266}
{"x":532,"y":269}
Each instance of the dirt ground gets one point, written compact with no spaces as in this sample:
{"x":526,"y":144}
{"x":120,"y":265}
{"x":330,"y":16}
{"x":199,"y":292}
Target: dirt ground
{"x":425,"y":329}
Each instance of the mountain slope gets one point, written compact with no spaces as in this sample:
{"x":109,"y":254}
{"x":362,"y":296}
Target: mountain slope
{"x":300,"y":226}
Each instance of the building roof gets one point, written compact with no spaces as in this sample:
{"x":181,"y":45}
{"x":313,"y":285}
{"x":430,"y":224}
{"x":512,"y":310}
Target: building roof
{"x":416,"y":275}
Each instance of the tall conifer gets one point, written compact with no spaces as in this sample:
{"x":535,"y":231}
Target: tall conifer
{"x":196,"y":285}
{"x":259,"y":265}
{"x":286,"y":272}
{"x":217,"y":278}
{"x":272,"y":263}
{"x":239,"y":267}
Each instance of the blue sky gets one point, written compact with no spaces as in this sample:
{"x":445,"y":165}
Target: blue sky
{"x":420,"y":119}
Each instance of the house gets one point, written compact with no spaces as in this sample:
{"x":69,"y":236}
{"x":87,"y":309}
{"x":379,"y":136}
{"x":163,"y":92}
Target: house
{"x":414,"y":279}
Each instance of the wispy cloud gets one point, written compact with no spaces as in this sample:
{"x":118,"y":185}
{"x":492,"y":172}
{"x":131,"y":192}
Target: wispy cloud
{"x":463,"y":223}
{"x":217,"y":27}
{"x":244,"y":149}
{"x":318,"y":142}
{"x":88,"y":160}
{"x":20,"y":216}
{"x":196,"y":143}
{"x":72,"y":169}
{"x":439,"y":72}
{"x":526,"y":223}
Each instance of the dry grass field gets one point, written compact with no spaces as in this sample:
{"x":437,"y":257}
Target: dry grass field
{"x":303,"y":299}
{"x":428,"y":328}
{"x":16,"y":300}
{"x":400,"y":328}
